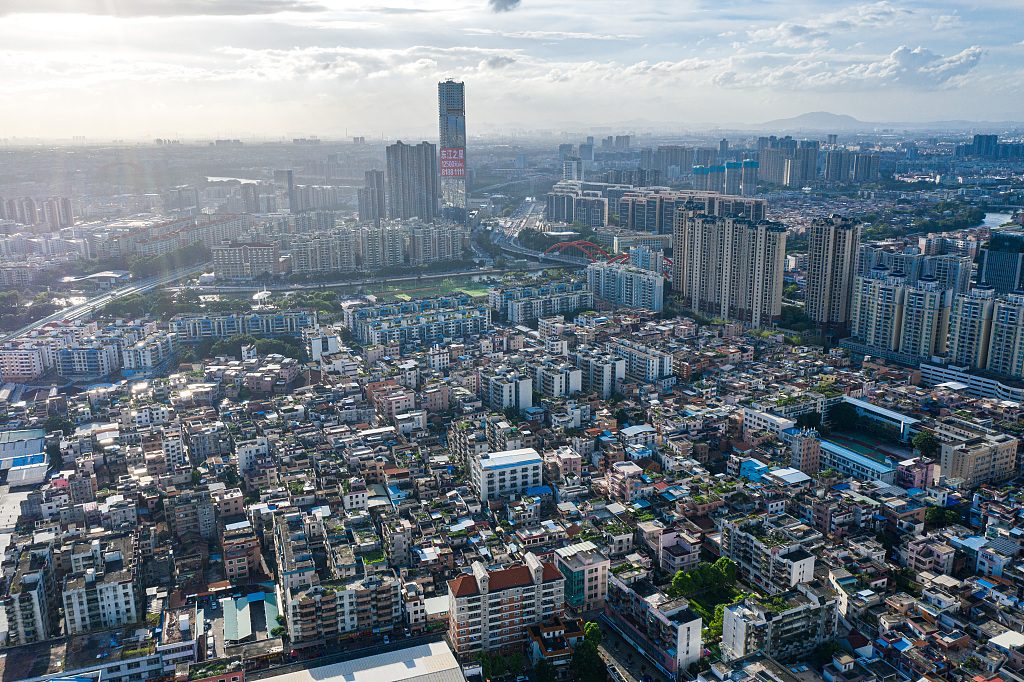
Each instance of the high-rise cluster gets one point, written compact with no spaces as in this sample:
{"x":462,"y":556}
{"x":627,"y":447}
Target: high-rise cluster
{"x":729,"y":267}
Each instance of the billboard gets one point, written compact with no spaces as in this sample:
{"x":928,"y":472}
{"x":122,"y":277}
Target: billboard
{"x":453,"y":163}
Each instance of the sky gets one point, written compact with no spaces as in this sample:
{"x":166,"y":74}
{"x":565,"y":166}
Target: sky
{"x":186,"y":69}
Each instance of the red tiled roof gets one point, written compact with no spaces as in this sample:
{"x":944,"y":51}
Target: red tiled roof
{"x":551,"y":573}
{"x":463,"y":586}
{"x":516,"y":576}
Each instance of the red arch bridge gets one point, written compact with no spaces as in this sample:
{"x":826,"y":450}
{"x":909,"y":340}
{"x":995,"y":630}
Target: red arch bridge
{"x":594,"y":252}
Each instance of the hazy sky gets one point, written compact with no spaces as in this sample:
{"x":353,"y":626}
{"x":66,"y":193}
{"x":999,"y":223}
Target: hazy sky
{"x":185,"y":68}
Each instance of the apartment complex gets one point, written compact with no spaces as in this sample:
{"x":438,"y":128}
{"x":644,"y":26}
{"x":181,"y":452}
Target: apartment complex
{"x":382,"y":247}
{"x":522,"y":304}
{"x":908,"y":321}
{"x":100,"y":599}
{"x":323,"y":611}
{"x":643,"y":362}
{"x":31,"y":599}
{"x":419,"y":323}
{"x":149,"y":355}
{"x":620,"y":284}
{"x":258,"y":322}
{"x":244,"y":261}
{"x":89,"y":359}
{"x":602,"y":371}
{"x":21,"y":363}
{"x":729,"y":267}
{"x":503,"y":388}
{"x":325,"y":252}
{"x":986,"y":332}
{"x":429,"y":244}
{"x":975,"y":454}
{"x":491,"y":611}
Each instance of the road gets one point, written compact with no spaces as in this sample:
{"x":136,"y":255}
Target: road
{"x":632,"y":664}
{"x":96,"y":302}
{"x":527,"y":216}
{"x":318,"y":286}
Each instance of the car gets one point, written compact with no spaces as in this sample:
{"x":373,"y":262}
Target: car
{"x":387,"y":640}
{"x":522,"y":678}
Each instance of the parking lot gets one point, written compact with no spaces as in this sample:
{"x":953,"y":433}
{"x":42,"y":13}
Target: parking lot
{"x":215,"y":614}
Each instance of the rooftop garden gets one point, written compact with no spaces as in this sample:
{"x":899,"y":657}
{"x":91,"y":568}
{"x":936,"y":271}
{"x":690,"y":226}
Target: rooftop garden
{"x":213,"y":668}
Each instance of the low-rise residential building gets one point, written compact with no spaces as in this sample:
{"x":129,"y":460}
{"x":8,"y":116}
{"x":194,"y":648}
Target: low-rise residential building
{"x":510,"y":472}
{"x":787,"y":626}
{"x":667,"y":630}
{"x":585,"y":568}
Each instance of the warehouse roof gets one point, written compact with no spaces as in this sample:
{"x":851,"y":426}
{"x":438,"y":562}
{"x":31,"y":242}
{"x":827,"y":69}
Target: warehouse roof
{"x":431,"y":662}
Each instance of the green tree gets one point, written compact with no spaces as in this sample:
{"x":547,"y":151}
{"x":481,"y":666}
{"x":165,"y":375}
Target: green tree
{"x":592,"y":633}
{"x":485,"y":664}
{"x":681,"y":585}
{"x":715,"y":627}
{"x":55,"y":423}
{"x":515,"y":664}
{"x":196,"y":477}
{"x":230,"y":477}
{"x":811,"y":420}
{"x":621,"y":416}
{"x":544,"y":671}
{"x":727,"y":567}
{"x":278,"y":631}
{"x":844,"y":416}
{"x":586,"y":664}
{"x":498,"y":665}
{"x":926,"y":444}
{"x":935,"y":516}
{"x":53,"y":453}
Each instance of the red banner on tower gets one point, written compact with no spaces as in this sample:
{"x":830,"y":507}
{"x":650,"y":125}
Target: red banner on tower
{"x":453,"y":163}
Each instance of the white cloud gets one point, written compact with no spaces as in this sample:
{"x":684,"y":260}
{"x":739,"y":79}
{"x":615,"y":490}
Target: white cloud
{"x":157,"y":8}
{"x":790,"y":35}
{"x":377,"y":66}
{"x":913,"y":68}
{"x":549,"y":35}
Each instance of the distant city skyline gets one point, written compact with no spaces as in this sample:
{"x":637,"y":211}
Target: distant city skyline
{"x":219,"y":68}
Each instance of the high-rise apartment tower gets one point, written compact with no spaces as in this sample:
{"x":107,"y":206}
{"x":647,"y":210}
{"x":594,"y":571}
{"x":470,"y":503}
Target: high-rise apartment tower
{"x":831,"y":268}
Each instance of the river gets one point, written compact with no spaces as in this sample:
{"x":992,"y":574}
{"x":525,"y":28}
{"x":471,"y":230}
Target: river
{"x":993,"y":220}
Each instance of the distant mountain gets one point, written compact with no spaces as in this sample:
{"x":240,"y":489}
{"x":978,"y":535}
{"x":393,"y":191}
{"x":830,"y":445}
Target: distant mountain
{"x":818,"y":120}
